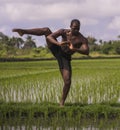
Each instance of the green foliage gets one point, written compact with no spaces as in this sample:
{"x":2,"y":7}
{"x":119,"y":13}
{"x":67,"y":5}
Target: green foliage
{"x":51,"y":110}
{"x":29,"y":43}
{"x":91,"y":40}
{"x":106,"y":48}
{"x":45,"y":115}
{"x":117,"y":47}
{"x":94,"y":81}
{"x":32,"y":90}
{"x":111,"y":47}
{"x":18,"y":48}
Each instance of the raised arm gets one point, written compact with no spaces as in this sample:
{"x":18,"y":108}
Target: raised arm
{"x":52,"y":38}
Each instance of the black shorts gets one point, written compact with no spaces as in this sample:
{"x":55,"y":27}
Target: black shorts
{"x":64,"y":60}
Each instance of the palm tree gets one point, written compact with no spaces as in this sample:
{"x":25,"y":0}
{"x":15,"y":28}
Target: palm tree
{"x":29,"y":43}
{"x":16,"y":42}
{"x":3,"y":38}
{"x":118,"y":36}
{"x":100,"y":41}
{"x":91,"y":40}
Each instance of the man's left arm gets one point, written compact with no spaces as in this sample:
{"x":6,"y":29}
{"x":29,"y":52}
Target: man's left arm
{"x":84,"y":48}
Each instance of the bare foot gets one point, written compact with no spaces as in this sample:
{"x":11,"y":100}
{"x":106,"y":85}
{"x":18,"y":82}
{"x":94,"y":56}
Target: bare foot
{"x":19,"y":31}
{"x":61,"y":105}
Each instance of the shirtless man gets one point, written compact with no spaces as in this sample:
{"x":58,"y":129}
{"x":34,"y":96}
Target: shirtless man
{"x":72,"y":41}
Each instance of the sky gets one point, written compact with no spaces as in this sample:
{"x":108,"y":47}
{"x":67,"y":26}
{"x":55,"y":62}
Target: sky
{"x":99,"y":18}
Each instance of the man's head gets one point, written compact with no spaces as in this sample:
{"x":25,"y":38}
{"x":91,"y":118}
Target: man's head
{"x":75,"y":26}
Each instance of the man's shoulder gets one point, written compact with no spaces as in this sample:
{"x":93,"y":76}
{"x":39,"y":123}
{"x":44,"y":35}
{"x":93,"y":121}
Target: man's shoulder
{"x":81,"y":35}
{"x":83,"y":38}
{"x":64,"y":31}
{"x":67,"y":30}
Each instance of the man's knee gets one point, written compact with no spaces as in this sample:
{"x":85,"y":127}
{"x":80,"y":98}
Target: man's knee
{"x":67,"y":82}
{"x":48,"y":31}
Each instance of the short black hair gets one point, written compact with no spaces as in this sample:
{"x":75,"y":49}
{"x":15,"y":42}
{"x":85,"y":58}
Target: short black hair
{"x":75,"y":21}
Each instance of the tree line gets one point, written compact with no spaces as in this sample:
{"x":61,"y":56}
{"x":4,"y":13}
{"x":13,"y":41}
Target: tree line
{"x":104,"y":47}
{"x":17,"y":47}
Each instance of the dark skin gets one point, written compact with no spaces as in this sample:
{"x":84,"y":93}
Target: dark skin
{"x":72,"y":38}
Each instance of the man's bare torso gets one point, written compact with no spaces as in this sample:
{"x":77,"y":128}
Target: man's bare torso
{"x":76,"y":40}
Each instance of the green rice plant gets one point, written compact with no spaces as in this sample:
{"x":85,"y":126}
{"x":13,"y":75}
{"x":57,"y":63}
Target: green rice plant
{"x":93,"y":81}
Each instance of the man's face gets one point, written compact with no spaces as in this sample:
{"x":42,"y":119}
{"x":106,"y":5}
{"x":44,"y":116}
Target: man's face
{"x":75,"y":27}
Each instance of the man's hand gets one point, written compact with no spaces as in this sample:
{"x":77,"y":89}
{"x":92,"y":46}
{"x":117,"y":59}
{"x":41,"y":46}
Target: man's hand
{"x":65,"y":43}
{"x":71,"y":46}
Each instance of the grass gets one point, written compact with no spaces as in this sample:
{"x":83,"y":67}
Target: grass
{"x":51,"y":110}
{"x":93,"y":81}
{"x":30,"y":92}
{"x":50,"y":116}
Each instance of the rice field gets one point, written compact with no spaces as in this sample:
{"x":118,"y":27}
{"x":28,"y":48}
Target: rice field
{"x":93,"y":81}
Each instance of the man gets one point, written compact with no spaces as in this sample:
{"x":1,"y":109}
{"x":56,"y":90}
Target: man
{"x":72,"y":41}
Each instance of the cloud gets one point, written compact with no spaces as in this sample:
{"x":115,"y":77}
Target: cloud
{"x":51,"y":9}
{"x":55,"y":9}
{"x":24,"y":11}
{"x":94,"y":15}
{"x":89,"y":21}
{"x":115,"y":23}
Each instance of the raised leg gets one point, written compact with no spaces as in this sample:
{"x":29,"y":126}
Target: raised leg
{"x":35,"y":31}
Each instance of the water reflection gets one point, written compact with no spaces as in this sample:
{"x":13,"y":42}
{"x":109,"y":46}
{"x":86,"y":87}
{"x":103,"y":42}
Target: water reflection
{"x":59,"y":124}
{"x":52,"y":128}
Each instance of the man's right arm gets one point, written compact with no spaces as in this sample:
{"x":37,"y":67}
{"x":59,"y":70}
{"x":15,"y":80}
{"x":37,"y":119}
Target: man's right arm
{"x":52,"y":38}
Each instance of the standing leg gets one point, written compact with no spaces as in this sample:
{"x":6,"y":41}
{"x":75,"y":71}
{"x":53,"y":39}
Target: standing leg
{"x":64,"y":63}
{"x":66,"y":74}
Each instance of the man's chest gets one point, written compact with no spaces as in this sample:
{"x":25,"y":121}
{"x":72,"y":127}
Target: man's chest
{"x":75,"y":40}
